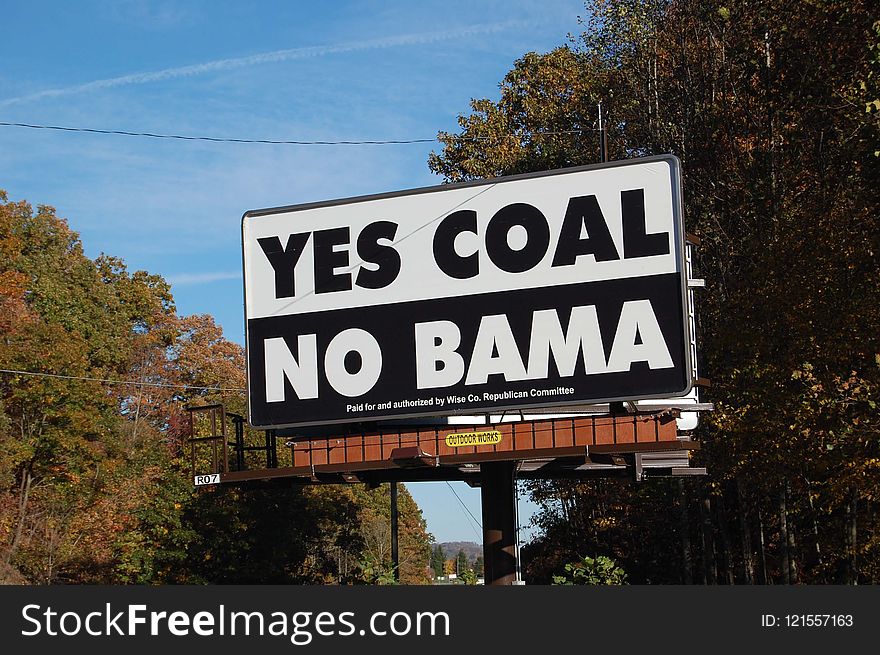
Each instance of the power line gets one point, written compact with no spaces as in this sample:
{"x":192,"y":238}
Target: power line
{"x":460,"y":502}
{"x":421,"y":227}
{"x":295,"y":142}
{"x":108,"y":381}
{"x":182,"y":137}
{"x":576,"y":414}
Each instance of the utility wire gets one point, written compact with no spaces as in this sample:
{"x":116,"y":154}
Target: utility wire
{"x":576,"y":414}
{"x":129,"y":382}
{"x":421,"y":227}
{"x":466,"y":510}
{"x":181,"y":137}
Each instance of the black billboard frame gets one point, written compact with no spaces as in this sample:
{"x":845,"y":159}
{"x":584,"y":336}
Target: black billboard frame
{"x":679,"y":242}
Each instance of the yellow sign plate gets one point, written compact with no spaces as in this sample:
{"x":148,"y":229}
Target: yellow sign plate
{"x":463,"y":439}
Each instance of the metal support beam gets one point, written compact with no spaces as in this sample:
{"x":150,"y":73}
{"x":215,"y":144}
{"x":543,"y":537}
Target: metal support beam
{"x":638,"y":470}
{"x":499,"y":522}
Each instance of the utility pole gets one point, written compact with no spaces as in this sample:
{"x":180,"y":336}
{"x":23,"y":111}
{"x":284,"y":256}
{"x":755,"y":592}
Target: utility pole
{"x":518,"y":580}
{"x":395,"y":556}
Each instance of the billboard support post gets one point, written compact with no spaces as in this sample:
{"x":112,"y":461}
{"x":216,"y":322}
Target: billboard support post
{"x":498,"y":498}
{"x":566,"y":291}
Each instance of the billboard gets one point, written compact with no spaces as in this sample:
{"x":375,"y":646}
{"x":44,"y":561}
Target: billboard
{"x":533,"y":291}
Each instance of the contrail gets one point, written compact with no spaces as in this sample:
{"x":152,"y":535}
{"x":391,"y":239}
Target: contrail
{"x":264,"y":58}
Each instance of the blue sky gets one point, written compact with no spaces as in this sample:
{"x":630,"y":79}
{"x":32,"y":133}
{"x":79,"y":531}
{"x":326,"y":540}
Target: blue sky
{"x":257,"y":70}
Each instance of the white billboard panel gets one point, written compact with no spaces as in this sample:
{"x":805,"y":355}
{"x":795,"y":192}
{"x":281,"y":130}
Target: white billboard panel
{"x":540,"y":290}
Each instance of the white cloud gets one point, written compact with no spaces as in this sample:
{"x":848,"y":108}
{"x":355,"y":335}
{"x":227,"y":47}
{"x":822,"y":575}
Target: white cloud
{"x":264,"y":58}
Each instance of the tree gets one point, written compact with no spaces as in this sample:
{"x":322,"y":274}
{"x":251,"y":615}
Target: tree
{"x":414,"y":542}
{"x":777,"y":134}
{"x":438,"y":558}
{"x":67,"y":476}
{"x":461,"y":562}
{"x":94,"y":484}
{"x":468,"y":577}
{"x":599,"y":570}
{"x":543,"y":120}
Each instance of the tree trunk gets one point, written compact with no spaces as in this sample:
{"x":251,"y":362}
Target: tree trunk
{"x":869,"y":507}
{"x":137,"y":415}
{"x":748,"y":564}
{"x":710,"y":567}
{"x":792,"y":555}
{"x":764,"y":576}
{"x":789,"y":544}
{"x":783,"y":533}
{"x":27,"y":481}
{"x":792,"y":544}
{"x":852,"y":574}
{"x":813,"y":518}
{"x":684,"y":530}
{"x":725,"y":538}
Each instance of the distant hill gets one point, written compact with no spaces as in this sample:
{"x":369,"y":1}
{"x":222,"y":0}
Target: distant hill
{"x":472,"y":550}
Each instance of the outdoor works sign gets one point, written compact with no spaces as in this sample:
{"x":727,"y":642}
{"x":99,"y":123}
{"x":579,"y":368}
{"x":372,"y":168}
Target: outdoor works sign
{"x":537,"y":290}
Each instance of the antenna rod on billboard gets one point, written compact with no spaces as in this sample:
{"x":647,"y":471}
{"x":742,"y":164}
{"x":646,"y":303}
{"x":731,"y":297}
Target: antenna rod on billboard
{"x":616,"y":407}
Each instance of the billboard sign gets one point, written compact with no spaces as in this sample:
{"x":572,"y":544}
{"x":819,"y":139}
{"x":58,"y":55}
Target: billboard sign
{"x":533,"y":291}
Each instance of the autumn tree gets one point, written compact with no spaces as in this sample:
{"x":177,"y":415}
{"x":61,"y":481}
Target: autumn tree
{"x":777,"y":132}
{"x":64,"y":457}
{"x":414,"y":542}
{"x":94,"y":485}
